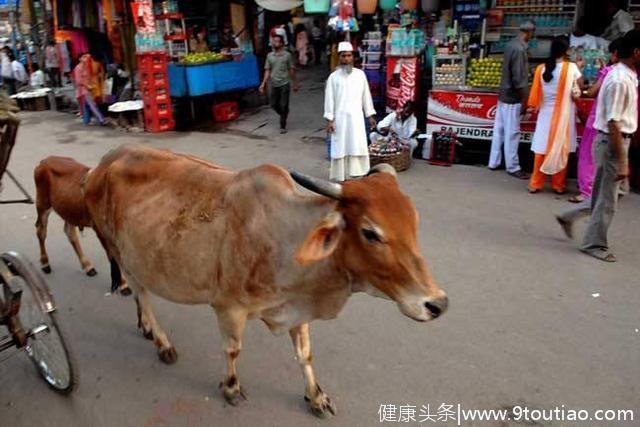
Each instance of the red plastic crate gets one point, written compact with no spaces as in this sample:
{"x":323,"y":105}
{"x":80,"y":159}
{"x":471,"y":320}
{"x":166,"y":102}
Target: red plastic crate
{"x":156,"y":124}
{"x":152,"y":94}
{"x":443,"y":148}
{"x":161,"y":111}
{"x":226,"y":111}
{"x":152,"y":62}
{"x":154,"y":80}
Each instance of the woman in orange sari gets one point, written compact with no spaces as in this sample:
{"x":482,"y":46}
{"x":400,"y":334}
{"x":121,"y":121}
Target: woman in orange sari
{"x":556,"y":86}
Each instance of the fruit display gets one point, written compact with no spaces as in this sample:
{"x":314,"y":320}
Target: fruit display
{"x":449,"y":75}
{"x":203,"y":58}
{"x":485,"y":72}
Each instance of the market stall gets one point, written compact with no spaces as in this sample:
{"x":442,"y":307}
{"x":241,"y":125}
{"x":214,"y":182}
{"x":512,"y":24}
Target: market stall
{"x":183,"y":58}
{"x":466,"y":75}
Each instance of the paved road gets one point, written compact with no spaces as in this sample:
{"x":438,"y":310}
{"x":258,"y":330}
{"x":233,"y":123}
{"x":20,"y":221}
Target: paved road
{"x":523,"y":328}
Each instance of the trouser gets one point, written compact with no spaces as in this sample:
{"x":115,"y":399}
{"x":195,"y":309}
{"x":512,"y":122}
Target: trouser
{"x":280,"y":103}
{"x":90,"y":107}
{"x":54,"y":77}
{"x":318,"y":48}
{"x":558,"y":180}
{"x":604,"y":196}
{"x":506,"y":133}
{"x":9,"y":85}
{"x":634,"y":165}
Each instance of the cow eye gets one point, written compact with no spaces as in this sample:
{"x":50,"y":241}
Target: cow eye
{"x":371,"y":236}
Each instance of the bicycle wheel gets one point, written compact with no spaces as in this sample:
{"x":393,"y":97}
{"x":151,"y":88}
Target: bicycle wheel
{"x":46,"y":346}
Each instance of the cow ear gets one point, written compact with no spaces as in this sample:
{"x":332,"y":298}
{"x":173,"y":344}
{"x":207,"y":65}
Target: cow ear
{"x":323,"y":239}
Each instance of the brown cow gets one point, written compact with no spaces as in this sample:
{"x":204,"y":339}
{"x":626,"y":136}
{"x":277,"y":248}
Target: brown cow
{"x":251,"y":246}
{"x":58,"y":187}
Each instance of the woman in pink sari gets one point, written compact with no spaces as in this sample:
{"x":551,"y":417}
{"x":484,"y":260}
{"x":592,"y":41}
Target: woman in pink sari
{"x":585,"y":154}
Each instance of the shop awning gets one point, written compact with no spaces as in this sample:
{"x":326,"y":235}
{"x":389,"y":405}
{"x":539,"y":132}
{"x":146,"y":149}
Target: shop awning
{"x":279,"y":5}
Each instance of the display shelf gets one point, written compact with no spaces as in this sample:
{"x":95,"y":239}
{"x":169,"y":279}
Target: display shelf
{"x":449,"y":71}
{"x":177,"y":45}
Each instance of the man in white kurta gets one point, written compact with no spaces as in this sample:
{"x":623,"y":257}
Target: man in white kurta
{"x":403,"y":124}
{"x":347,"y":102}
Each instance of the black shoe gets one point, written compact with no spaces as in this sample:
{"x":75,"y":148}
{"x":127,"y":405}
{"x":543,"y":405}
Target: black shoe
{"x":567,"y":227}
{"x":283,"y":130}
{"x":519,"y":174}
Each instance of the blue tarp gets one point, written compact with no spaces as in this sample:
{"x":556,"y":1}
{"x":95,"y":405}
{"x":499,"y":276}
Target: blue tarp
{"x":196,"y":80}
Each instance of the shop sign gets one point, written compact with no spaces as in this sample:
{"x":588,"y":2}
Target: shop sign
{"x":143,"y":16}
{"x":402,"y":81}
{"x":470,"y":115}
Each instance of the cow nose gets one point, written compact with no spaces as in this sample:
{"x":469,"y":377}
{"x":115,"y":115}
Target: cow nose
{"x":437,"y":306}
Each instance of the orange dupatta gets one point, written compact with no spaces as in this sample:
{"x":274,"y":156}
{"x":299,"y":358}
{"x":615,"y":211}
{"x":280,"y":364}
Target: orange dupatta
{"x":559,"y":142}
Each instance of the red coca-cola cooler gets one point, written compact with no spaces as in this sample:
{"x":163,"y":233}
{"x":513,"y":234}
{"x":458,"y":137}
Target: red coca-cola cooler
{"x":403,"y":79}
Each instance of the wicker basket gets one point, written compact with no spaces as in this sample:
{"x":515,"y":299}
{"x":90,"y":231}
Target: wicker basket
{"x":400,"y":161}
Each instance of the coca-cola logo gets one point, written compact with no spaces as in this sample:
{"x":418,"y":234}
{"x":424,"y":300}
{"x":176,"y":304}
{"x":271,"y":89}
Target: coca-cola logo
{"x":491,"y":113}
{"x":468,"y":99}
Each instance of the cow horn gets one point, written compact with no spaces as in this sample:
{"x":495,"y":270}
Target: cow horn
{"x":383,"y":168}
{"x":319,"y":186}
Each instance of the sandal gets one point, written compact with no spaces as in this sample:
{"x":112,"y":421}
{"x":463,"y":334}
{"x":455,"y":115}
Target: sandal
{"x":600,"y":253}
{"x":533,"y":190}
{"x":578,"y":198}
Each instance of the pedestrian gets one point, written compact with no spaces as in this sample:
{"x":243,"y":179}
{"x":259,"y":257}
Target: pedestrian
{"x":585,"y":153}
{"x":52,"y":64}
{"x":318,"y":41}
{"x":197,"y":41}
{"x":302,"y":45}
{"x":346,"y":104}
{"x":36,"y":80}
{"x":556,"y":86}
{"x":401,"y":124}
{"x":280,"y":73}
{"x":512,"y":101}
{"x":616,"y":120}
{"x":621,"y":21}
{"x":86,"y":81}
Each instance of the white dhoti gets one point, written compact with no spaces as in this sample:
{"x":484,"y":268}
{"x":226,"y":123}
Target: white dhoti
{"x":349,"y":167}
{"x":506,"y":133}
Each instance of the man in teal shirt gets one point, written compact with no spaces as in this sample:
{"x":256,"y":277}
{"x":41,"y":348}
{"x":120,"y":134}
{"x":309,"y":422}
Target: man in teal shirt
{"x":280,"y":72}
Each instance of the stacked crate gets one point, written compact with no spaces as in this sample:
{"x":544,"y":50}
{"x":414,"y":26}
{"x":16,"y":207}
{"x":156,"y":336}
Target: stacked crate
{"x":154,"y":86}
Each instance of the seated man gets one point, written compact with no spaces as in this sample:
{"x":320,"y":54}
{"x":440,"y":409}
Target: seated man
{"x":401,"y":124}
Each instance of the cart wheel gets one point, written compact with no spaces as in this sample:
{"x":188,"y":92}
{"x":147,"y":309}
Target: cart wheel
{"x":46,"y":346}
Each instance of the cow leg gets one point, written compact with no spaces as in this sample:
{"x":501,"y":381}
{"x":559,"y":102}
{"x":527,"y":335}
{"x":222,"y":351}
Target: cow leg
{"x":166,"y":351}
{"x":41,"y":231}
{"x":318,"y":401}
{"x":143,"y":323}
{"x":231,"y":324}
{"x":72,"y":233}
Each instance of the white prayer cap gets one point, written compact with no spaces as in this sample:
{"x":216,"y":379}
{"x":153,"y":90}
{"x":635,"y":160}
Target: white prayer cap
{"x":345,"y":47}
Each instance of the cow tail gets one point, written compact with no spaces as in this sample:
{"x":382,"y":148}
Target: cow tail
{"x":116,"y":276}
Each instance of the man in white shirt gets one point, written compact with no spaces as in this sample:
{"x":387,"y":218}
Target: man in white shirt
{"x":580,"y":39}
{"x":403,"y":124}
{"x":616,"y":120}
{"x":621,"y":21}
{"x":346,"y":103}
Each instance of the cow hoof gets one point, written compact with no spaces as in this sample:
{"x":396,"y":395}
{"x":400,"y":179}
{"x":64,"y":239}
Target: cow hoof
{"x":126,"y":291}
{"x":92,"y":272}
{"x":46,"y":269}
{"x":168,"y":355}
{"x":322,"y":406}
{"x":234,"y":395}
{"x":147,"y":334}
